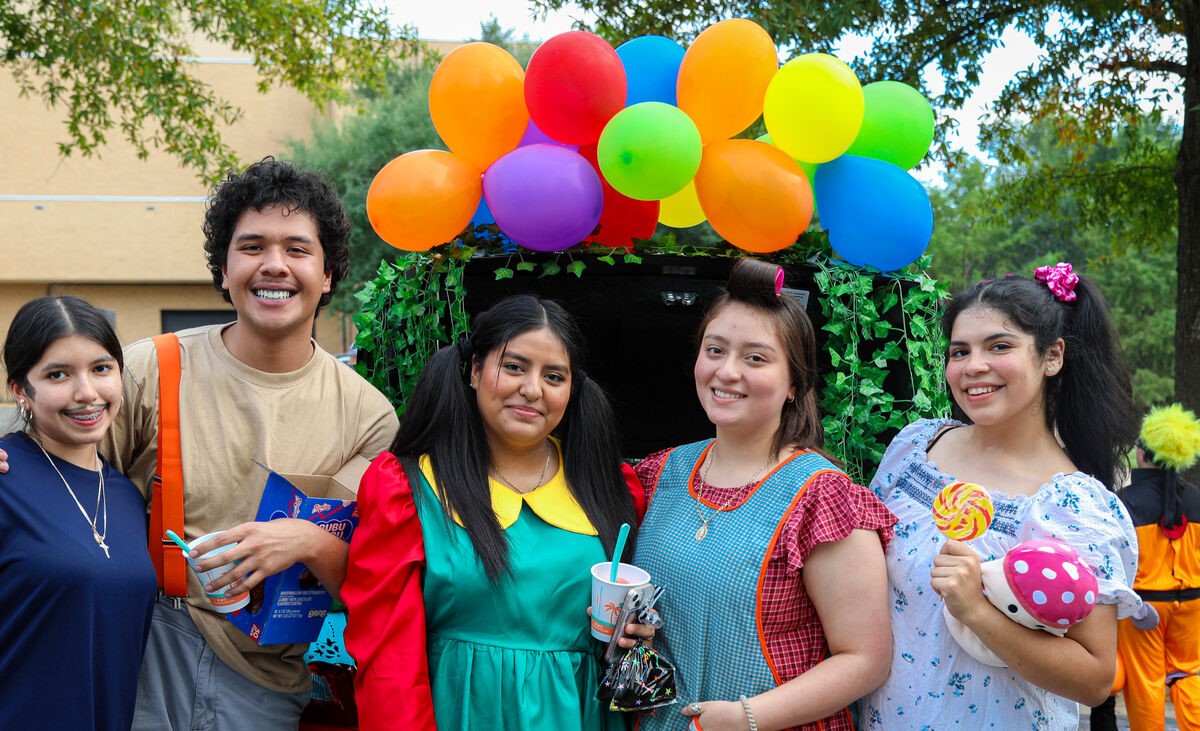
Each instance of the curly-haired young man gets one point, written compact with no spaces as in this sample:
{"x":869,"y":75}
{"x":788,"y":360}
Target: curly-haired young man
{"x":257,"y":389}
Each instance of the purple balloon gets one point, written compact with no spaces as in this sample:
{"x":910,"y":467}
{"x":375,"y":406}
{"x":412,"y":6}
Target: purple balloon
{"x":535,"y":136}
{"x":544,"y":197}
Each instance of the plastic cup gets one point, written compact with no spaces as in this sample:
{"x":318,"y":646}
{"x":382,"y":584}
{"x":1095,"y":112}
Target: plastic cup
{"x":221,"y":602}
{"x":607,"y":596}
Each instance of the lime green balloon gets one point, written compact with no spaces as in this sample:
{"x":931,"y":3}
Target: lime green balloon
{"x":814,"y":107}
{"x":897,"y":124}
{"x":649,"y":151}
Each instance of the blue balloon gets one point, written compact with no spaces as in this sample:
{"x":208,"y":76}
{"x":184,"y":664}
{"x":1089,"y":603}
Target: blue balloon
{"x":875,"y":212}
{"x":483,"y":217}
{"x":651,"y":69}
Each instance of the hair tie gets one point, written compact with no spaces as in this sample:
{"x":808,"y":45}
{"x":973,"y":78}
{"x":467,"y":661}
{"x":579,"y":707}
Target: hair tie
{"x":581,"y":377}
{"x":1061,"y":280}
{"x":778,"y":281}
{"x":465,"y":349}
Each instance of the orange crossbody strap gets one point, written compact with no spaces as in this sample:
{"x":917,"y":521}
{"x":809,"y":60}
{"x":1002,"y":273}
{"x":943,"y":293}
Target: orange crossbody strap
{"x":166,"y":500}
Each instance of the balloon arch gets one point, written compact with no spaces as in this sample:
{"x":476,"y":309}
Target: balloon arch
{"x":643,"y":134}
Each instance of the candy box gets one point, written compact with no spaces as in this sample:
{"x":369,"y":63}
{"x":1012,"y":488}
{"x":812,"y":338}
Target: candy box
{"x":291,"y":605}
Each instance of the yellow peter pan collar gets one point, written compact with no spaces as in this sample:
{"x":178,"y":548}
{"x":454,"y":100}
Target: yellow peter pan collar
{"x":552,"y":502}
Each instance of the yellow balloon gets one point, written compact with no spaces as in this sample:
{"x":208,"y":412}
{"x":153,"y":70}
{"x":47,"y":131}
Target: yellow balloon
{"x":477,"y":102}
{"x":724,"y":76}
{"x":423,"y":198}
{"x":754,"y":195}
{"x":814,"y":107}
{"x":681,"y":209}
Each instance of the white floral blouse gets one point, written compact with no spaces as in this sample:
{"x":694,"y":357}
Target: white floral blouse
{"x":934,"y":684}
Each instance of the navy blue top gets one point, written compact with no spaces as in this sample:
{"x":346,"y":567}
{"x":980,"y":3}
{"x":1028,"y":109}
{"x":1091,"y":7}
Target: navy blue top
{"x":73,"y":623}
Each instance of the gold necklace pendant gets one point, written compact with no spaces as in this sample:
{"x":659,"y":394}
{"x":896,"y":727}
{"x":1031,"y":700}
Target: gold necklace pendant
{"x":702,"y":531}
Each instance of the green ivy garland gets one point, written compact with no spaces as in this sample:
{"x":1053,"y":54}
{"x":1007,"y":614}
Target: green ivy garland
{"x":415,"y":306}
{"x":860,"y":413}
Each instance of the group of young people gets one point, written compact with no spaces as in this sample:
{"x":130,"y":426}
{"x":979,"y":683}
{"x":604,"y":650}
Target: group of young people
{"x":794,"y":598}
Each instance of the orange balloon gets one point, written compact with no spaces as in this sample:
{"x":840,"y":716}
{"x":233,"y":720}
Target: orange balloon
{"x":477,"y":101}
{"x":724,"y":76}
{"x":423,"y":198}
{"x":754,"y":195}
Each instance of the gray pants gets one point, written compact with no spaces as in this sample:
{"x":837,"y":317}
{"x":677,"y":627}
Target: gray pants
{"x":184,"y":686}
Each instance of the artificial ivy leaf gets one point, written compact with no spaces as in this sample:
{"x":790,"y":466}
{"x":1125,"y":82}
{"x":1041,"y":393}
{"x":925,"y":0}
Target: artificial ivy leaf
{"x":576,"y":267}
{"x":526,"y":266}
{"x":504,"y":273}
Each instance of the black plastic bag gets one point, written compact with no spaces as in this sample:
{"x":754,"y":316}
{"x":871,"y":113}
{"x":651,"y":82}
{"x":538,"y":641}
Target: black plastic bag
{"x":638,"y":680}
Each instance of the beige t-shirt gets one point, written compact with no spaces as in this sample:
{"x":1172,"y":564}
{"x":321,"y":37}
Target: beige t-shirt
{"x":309,"y":421}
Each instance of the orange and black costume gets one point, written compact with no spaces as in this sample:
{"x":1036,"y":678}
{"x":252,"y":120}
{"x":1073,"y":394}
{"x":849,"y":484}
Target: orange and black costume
{"x":1166,"y":512}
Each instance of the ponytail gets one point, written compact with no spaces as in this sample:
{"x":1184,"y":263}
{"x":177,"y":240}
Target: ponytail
{"x":1089,"y":403}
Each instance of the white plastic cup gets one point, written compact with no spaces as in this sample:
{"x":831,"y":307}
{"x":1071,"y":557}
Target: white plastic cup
{"x":221,"y":602}
{"x":607,"y":596}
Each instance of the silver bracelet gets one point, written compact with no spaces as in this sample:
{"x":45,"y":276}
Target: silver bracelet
{"x":749,"y":714}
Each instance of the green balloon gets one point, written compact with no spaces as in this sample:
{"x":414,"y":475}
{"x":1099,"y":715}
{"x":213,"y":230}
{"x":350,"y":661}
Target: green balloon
{"x":897,"y":125}
{"x":649,"y":151}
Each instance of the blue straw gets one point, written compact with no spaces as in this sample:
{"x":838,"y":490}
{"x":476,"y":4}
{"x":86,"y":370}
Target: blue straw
{"x":179,"y":542}
{"x":619,"y":549}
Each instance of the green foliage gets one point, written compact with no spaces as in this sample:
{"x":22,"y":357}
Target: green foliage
{"x":1012,"y":217}
{"x":881,"y":329}
{"x":351,"y":152}
{"x":412,"y":308}
{"x":125,"y":65}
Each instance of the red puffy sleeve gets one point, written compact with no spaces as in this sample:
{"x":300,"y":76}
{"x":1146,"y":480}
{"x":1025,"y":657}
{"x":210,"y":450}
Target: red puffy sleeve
{"x":385,"y":625}
{"x":636,"y":491}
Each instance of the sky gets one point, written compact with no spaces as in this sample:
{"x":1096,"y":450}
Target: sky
{"x":450,"y":20}
{"x":458,"y":20}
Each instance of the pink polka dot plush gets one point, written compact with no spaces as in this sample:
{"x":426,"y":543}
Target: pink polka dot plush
{"x":1051,"y":583}
{"x":1042,"y":584}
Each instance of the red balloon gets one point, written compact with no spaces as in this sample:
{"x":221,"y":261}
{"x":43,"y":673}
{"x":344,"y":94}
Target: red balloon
{"x":623,"y":218}
{"x":574,"y":84}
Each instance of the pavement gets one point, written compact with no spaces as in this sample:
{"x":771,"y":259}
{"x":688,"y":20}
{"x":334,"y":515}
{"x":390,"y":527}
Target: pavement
{"x":1122,"y":721}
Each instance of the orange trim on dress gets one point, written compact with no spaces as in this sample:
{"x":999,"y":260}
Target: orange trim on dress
{"x":724,"y":506}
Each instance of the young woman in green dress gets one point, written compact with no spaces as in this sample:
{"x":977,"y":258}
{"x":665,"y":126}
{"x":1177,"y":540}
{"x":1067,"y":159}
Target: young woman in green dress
{"x":468,"y":582}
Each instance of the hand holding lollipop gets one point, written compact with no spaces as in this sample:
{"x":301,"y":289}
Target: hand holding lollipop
{"x":962,"y":511}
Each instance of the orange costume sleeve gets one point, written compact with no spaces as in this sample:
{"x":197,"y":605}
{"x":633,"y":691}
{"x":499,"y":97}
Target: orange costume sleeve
{"x":385,"y":630}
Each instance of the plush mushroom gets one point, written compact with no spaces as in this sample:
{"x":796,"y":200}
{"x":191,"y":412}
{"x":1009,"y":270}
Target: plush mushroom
{"x":1041,"y":584}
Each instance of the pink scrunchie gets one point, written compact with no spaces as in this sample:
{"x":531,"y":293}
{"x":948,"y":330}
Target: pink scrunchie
{"x":1061,"y":280}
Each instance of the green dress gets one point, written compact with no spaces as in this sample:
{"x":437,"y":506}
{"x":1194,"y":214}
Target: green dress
{"x":518,"y":655}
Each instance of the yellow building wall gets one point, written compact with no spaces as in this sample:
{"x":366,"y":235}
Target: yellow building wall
{"x":123,"y":232}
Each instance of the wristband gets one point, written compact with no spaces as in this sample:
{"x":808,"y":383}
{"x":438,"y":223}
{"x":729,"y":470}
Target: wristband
{"x":749,"y":714}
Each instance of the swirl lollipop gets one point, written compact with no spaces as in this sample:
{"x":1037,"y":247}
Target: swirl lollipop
{"x":962,"y":511}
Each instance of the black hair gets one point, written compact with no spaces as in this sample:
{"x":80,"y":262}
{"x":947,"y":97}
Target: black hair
{"x":270,"y":182}
{"x":752,"y":283}
{"x":1089,"y":402}
{"x":41,"y":322}
{"x":442,"y":420}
